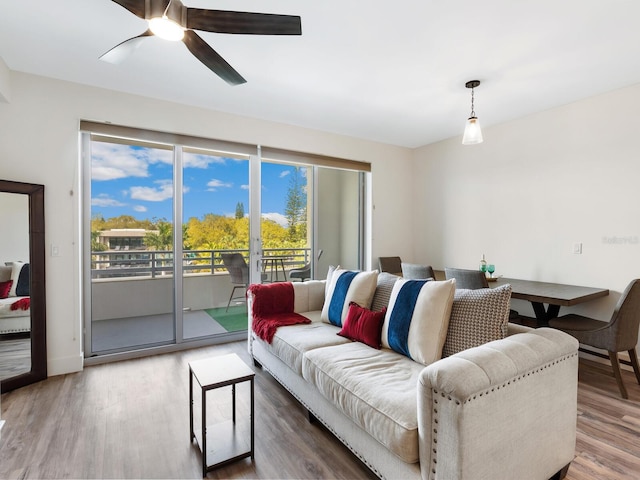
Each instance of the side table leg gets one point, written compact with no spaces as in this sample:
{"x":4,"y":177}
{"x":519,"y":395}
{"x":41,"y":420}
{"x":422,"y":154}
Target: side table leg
{"x":191,"y":404}
{"x":233,"y":402}
{"x":204,"y":433}
{"x":252,"y":421}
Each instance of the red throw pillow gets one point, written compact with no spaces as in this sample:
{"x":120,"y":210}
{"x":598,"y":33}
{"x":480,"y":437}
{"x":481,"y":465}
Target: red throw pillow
{"x":5,"y":288}
{"x":363,"y":325}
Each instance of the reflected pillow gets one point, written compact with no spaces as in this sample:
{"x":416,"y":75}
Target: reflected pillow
{"x":363,"y":325}
{"x":5,"y":288}
{"x":22,"y":289}
{"x":16,"y":268}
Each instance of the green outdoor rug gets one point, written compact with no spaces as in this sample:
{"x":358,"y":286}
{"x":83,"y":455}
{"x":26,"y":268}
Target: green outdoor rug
{"x":232,"y":321}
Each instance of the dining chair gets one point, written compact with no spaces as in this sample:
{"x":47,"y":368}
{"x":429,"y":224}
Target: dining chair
{"x":619,"y":334}
{"x":390,"y":265}
{"x":472,"y":280}
{"x":415,"y":271}
{"x":238,"y":273}
{"x":304,"y":272}
{"x":469,"y":279}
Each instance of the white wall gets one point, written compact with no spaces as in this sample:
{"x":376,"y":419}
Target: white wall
{"x":535,"y":187}
{"x":39,"y":144}
{"x":14,"y":218}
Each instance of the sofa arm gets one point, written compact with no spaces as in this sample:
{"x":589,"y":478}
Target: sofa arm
{"x":506,"y":409}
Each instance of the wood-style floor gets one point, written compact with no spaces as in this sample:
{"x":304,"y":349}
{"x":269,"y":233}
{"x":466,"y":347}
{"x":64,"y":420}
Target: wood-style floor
{"x":131,"y":420}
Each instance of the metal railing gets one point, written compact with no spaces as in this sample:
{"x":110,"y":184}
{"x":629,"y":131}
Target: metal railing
{"x":156,"y":263}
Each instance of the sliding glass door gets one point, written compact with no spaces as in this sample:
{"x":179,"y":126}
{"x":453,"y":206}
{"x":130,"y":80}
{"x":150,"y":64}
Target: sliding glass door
{"x":177,"y":227}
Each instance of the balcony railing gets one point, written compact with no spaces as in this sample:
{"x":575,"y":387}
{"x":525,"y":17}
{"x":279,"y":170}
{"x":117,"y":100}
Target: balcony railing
{"x":154,"y":263}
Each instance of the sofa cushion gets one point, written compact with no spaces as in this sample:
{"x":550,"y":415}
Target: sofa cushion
{"x":16,"y":268}
{"x":291,"y":342}
{"x":5,"y":288}
{"x":477,"y":317}
{"x":385,"y":284}
{"x":363,"y":325}
{"x":344,"y":287}
{"x":377,"y":389}
{"x":5,"y":273}
{"x":418,"y":317}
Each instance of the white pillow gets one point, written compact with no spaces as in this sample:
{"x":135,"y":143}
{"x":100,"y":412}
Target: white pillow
{"x":417,"y":319}
{"x":344,"y":287}
{"x":16,"y":267}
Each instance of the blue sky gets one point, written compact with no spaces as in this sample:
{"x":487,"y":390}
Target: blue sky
{"x":137,"y":181}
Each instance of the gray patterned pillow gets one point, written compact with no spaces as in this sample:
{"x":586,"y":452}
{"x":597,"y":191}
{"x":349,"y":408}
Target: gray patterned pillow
{"x":477,"y":317}
{"x":386,"y":281}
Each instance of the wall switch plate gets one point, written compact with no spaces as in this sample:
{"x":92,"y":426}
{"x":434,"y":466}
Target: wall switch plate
{"x":55,"y":251}
{"x":577,"y":248}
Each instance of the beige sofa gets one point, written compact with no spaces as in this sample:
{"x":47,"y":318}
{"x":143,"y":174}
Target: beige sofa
{"x":505,"y":409}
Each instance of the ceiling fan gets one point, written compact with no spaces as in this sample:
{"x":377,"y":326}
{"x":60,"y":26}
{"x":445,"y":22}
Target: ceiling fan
{"x":172,"y":20}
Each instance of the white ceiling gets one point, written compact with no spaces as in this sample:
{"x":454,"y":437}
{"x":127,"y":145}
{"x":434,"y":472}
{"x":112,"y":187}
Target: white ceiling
{"x":392,"y":72}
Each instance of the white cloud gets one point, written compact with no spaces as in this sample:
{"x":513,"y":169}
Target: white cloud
{"x":140,"y":208}
{"x":164,"y":191}
{"x":214,"y":184}
{"x":193,"y":160}
{"x":285,"y":173}
{"x":244,"y":187}
{"x":103,"y":200}
{"x":110,"y":161}
{"x":279,"y":218}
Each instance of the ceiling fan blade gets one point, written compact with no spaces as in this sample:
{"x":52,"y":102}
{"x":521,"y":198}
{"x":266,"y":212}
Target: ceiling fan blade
{"x":221,"y":21}
{"x":121,"y":51}
{"x":134,"y":6}
{"x":212,"y":59}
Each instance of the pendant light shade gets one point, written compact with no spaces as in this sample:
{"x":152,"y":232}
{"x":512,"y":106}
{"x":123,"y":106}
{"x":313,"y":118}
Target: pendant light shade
{"x":472,"y":131}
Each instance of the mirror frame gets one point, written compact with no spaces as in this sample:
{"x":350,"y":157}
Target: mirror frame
{"x":37,"y":290}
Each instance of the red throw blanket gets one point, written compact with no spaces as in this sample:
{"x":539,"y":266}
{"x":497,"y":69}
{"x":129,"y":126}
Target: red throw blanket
{"x":273,"y":308}
{"x":22,"y":304}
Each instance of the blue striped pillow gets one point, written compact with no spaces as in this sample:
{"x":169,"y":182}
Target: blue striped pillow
{"x":417,"y":318}
{"x":344,"y":287}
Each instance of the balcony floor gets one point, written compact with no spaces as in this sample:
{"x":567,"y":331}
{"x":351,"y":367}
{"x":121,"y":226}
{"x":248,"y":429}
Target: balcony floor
{"x":122,"y":333}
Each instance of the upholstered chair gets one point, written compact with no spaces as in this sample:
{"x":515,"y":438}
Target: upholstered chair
{"x":617,"y":335}
{"x":414,"y":271}
{"x":390,"y":265}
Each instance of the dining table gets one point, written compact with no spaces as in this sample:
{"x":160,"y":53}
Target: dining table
{"x":554,"y":295}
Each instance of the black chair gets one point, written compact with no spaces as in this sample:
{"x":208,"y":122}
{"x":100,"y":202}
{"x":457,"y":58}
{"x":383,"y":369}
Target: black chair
{"x":472,"y":280}
{"x":617,"y":335}
{"x":302,"y":273}
{"x":390,"y":265}
{"x":239,"y":274}
{"x":414,"y":271}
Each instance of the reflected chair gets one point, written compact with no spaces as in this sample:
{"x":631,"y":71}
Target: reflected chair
{"x":617,"y":335}
{"x":390,"y":265}
{"x":303,"y":273}
{"x":414,"y":271}
{"x":472,"y":280}
{"x":239,"y":274}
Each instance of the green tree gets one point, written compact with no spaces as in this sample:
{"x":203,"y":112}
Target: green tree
{"x":239,"y":210}
{"x":296,"y":207}
{"x":161,"y":236}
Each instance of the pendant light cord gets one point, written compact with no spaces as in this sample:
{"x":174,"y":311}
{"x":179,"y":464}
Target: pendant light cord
{"x":473,"y":113}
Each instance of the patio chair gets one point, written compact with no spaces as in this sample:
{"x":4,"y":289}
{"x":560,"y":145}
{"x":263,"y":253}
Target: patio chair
{"x":302,"y":273}
{"x":390,"y":265}
{"x":617,"y":335}
{"x":414,"y":271}
{"x":239,"y":274}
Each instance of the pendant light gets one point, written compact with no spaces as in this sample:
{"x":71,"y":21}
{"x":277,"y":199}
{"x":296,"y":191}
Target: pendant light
{"x":472,"y":131}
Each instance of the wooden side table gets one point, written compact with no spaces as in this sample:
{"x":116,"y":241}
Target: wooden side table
{"x":217,"y":372}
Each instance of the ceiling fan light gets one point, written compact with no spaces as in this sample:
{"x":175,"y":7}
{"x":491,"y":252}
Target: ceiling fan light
{"x":472,"y":132}
{"x":166,"y":28}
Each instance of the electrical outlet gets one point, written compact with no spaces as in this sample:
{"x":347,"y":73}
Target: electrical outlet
{"x":577,"y":248}
{"x":55,"y":251}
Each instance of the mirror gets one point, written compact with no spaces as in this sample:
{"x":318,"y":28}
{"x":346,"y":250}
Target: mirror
{"x":23,"y":343}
